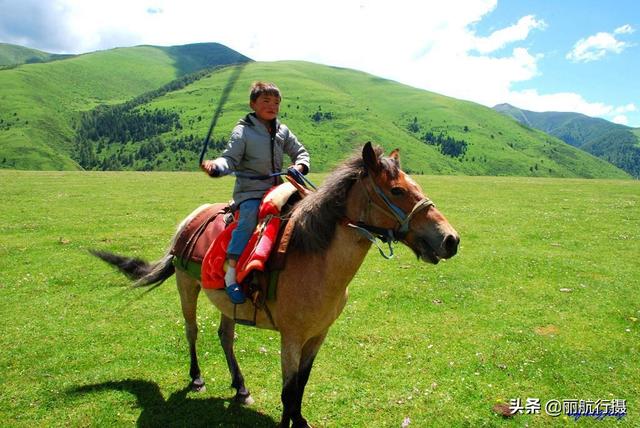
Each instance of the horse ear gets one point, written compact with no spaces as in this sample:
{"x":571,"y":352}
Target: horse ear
{"x":370,"y":159}
{"x":395,"y":156}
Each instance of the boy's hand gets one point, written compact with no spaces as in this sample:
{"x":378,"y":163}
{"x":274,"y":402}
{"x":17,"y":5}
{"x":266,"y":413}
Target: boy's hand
{"x":299,"y":167}
{"x":295,"y":172}
{"x":210,"y":168}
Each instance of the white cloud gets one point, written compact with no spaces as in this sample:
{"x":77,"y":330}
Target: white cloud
{"x":530,"y":99}
{"x":500,"y":38}
{"x":597,"y":46}
{"x":429,"y":45}
{"x":569,"y":102}
{"x":483,"y":79}
{"x":621,"y":119}
{"x":625,"y":109}
{"x":625,"y":29}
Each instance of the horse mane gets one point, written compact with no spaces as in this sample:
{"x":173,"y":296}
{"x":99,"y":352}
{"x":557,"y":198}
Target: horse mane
{"x":316,"y":216}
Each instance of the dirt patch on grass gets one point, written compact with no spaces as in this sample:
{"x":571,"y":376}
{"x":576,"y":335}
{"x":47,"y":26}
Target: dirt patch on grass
{"x":546,"y":330}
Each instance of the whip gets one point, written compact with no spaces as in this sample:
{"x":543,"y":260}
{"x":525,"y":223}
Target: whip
{"x":223,"y":99}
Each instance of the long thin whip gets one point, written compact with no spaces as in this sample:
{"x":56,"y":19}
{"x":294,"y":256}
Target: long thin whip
{"x":223,"y":99}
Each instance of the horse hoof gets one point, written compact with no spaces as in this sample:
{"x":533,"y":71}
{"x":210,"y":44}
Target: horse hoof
{"x":301,"y":424}
{"x":244,"y":399}
{"x":197,"y":385}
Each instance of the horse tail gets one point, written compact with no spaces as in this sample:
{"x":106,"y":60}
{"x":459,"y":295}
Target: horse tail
{"x":139,"y":270}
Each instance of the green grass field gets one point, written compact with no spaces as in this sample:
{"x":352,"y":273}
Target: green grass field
{"x":541,"y":302}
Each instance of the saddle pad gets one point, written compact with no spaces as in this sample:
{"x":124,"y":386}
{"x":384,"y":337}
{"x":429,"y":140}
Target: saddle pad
{"x":198,"y":234}
{"x":257,"y":250}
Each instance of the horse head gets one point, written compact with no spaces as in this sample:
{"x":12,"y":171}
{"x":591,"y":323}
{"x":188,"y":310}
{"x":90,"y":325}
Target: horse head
{"x":401,"y":206}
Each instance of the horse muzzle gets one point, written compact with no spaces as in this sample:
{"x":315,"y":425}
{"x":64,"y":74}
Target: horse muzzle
{"x":447,"y":248}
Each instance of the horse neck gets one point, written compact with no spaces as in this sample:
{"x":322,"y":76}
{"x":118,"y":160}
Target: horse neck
{"x":348,"y":249}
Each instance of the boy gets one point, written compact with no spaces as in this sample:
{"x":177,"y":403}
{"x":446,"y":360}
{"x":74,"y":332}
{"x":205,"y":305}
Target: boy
{"x":256,"y":148}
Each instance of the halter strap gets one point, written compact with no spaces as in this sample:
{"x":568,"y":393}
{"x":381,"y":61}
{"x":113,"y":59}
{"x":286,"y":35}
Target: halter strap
{"x":391,"y":210}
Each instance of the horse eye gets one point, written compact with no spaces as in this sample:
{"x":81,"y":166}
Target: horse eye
{"x":397,"y":191}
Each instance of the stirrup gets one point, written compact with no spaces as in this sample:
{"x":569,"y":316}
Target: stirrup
{"x":235,"y":294}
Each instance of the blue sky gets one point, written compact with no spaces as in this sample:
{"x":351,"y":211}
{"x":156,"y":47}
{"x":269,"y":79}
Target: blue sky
{"x":539,"y":55}
{"x":603,"y":74}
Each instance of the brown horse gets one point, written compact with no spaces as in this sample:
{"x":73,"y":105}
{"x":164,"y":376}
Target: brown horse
{"x":369,"y":195}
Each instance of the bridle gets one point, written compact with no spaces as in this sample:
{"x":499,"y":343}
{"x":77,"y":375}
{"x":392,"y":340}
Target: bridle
{"x":385,"y":206}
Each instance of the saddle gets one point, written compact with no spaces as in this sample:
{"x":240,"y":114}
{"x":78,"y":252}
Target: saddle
{"x":196,"y":237}
{"x":200,"y":249}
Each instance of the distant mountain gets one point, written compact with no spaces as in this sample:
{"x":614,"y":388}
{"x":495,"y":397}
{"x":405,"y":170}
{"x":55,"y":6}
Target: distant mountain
{"x":42,"y":102}
{"x":612,"y":142}
{"x":198,"y":56}
{"x":12,"y":55}
{"x":332,"y":111}
{"x":149,"y":107}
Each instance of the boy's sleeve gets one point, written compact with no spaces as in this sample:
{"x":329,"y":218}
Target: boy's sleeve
{"x":232,"y":155}
{"x":296,"y":151}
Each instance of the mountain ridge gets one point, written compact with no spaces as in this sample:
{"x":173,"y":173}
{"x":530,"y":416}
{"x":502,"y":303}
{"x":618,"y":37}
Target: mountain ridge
{"x":42,"y":102}
{"x":15,"y":55}
{"x":333,"y":110}
{"x":615,"y":143}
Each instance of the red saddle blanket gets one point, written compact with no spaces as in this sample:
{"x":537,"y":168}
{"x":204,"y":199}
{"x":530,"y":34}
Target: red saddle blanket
{"x":201,"y":247}
{"x":254,"y":256}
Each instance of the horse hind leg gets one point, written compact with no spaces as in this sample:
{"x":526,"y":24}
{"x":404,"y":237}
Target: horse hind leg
{"x":226,"y":333}
{"x":189,"y":290}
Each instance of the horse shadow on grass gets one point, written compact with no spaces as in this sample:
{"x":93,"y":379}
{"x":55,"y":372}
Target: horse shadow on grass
{"x":180,"y":410}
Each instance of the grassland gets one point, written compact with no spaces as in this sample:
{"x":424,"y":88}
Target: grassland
{"x":12,"y":55}
{"x":39,"y":103}
{"x":541,"y":301}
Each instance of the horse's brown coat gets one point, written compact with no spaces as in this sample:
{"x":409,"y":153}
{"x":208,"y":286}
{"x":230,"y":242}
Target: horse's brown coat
{"x":324,"y":255}
{"x":312,"y":289}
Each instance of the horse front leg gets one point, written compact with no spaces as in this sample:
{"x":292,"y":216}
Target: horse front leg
{"x":226,"y":335}
{"x":188,"y":288}
{"x":297,"y":362}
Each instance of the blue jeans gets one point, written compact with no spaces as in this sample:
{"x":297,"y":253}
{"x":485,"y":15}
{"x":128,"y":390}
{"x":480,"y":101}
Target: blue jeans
{"x":247,"y":221}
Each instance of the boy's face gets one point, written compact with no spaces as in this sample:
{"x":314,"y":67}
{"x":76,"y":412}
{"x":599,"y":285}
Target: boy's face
{"x":266,"y":107}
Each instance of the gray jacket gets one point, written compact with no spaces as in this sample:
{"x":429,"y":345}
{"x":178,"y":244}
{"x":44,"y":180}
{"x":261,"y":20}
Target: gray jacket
{"x":252,"y":151}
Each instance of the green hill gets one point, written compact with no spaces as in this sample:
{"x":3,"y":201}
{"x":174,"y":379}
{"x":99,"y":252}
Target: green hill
{"x":617,"y":144}
{"x":12,"y":55}
{"x":40,"y":103}
{"x":149,"y":107}
{"x":335,"y":110}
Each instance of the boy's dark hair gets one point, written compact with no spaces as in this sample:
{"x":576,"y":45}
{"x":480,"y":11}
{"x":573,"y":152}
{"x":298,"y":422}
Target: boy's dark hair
{"x":263,"y":88}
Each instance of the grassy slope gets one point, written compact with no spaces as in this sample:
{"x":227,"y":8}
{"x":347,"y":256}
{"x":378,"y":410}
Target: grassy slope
{"x":574,"y":128}
{"x":41,"y":101}
{"x":439,"y":345}
{"x":369,"y":108}
{"x":14,"y":55}
{"x":610,"y":141}
{"x":196,"y":56}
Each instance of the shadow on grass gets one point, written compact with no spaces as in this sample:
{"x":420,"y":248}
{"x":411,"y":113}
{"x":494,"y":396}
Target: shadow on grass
{"x":179,"y":410}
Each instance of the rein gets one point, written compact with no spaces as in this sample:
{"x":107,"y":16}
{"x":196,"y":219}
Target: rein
{"x":387,"y":236}
{"x":257,"y":177}
{"x":291,"y":172}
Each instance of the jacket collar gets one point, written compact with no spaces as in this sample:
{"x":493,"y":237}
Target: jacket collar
{"x":251,"y":120}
